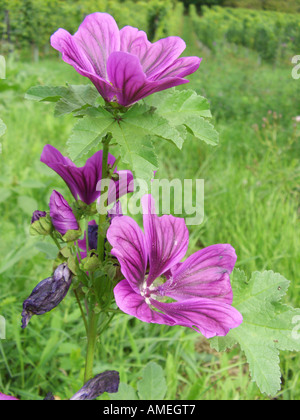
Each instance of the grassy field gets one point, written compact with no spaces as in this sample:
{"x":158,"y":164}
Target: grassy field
{"x":252,"y":183}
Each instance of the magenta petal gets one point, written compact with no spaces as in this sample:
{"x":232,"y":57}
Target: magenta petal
{"x":134,"y":304}
{"x":91,"y":174}
{"x":134,"y":42}
{"x":4,"y":397}
{"x":167,"y":239}
{"x":128,"y":242}
{"x":72,"y":53}
{"x":83,"y":182}
{"x":61,"y":165}
{"x":123,"y":186}
{"x":161,"y":55}
{"x":98,"y":36}
{"x":154,"y":58}
{"x":180,"y":68}
{"x":61,"y":214}
{"x":127,"y":77}
{"x":88,"y":50}
{"x":206,"y":316}
{"x":204,"y":274}
{"x":151,"y":87}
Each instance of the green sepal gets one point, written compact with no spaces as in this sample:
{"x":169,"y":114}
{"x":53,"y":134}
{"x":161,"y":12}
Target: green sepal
{"x":80,"y":209}
{"x":72,"y":235}
{"x":90,"y":263}
{"x":103,"y":288}
{"x":65,"y":255}
{"x":43,"y":226}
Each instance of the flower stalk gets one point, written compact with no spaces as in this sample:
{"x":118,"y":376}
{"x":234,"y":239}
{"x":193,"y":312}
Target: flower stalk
{"x":91,"y":342}
{"x":102,"y":215}
{"x":93,"y":315}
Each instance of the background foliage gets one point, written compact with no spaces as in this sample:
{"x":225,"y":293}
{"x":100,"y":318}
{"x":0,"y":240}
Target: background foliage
{"x":252,"y":181}
{"x":273,"y":35}
{"x":29,"y":23}
{"x":290,"y":6}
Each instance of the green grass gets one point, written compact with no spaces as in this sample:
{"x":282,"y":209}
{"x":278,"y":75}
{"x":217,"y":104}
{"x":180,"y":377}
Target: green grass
{"x":251,"y":201}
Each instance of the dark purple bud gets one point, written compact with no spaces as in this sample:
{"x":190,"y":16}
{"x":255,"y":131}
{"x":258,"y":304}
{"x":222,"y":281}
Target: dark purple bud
{"x":37,"y":215}
{"x":47,"y":294}
{"x":107,"y":381}
{"x":93,"y":236}
{"x":49,"y":397}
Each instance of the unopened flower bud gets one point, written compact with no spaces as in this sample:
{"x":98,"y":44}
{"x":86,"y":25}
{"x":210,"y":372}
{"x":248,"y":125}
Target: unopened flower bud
{"x":47,"y":294}
{"x":104,"y":382}
{"x":37,"y":215}
{"x":62,"y":216}
{"x":93,"y":236}
{"x":40,"y":224}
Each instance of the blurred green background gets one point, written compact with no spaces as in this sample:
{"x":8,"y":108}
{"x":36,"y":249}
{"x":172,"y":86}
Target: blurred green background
{"x":252,"y":185}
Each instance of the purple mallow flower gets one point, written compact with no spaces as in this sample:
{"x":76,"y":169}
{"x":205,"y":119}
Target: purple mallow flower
{"x":61,"y":214}
{"x":198,"y":291}
{"x":47,"y":294}
{"x":84,"y":182}
{"x":123,"y":65}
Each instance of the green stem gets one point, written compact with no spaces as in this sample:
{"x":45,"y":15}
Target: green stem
{"x":102,"y":217}
{"x":92,"y":337}
{"x":94,"y":317}
{"x":81,"y":310}
{"x":55,"y":241}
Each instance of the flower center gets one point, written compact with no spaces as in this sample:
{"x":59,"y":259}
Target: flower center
{"x":147,"y":292}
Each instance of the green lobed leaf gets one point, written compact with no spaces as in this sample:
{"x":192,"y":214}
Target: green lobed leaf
{"x":70,"y":98}
{"x":186,"y":108}
{"x":183,"y":102}
{"x":153,"y":385}
{"x":88,"y":133}
{"x":268,"y":326}
{"x":46,"y":93}
{"x":133,"y":132}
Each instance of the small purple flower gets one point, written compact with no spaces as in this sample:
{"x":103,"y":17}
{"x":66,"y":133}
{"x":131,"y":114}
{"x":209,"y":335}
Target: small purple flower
{"x":37,"y":215}
{"x":83,"y":182}
{"x":61,"y":214}
{"x":199,"y":288}
{"x":47,"y":294}
{"x":123,"y":65}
